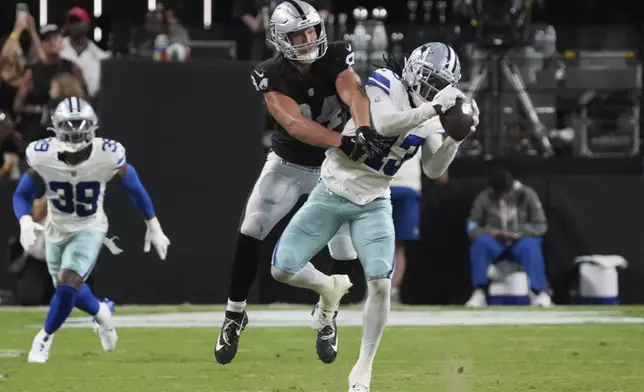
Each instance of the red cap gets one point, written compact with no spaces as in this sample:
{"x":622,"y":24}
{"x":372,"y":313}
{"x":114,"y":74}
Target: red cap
{"x":80,"y":13}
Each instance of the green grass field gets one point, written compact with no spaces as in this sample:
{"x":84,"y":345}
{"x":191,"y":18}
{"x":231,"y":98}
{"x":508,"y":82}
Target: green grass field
{"x":588,"y":357}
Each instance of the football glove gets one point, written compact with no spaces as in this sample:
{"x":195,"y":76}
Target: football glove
{"x":367,"y":142}
{"x":28,"y":231}
{"x":446,"y":99}
{"x":154,"y":236}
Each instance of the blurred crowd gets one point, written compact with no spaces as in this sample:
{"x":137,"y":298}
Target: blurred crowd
{"x":39,"y":67}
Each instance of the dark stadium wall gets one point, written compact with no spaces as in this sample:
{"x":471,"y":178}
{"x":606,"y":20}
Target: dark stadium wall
{"x":193,"y":132}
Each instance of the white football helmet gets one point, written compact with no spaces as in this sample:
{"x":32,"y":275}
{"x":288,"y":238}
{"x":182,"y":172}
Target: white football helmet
{"x":293,"y":16}
{"x":74,"y":122}
{"x":429,"y":69}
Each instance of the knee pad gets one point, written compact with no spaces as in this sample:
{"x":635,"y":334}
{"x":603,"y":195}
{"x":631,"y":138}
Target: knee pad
{"x":279,"y":274}
{"x":341,"y":248}
{"x":380,"y":287}
{"x":256,"y":225}
{"x":285,"y":262}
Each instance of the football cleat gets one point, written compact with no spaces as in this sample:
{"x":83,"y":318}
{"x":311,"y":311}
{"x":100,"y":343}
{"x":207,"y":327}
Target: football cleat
{"x":107,"y":333}
{"x":40,"y":346}
{"x":326,"y":344}
{"x":228,"y":339}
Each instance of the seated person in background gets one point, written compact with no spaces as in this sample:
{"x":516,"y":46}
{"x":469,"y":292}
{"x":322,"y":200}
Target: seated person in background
{"x":34,"y":282}
{"x":11,"y":147}
{"x":405,"y":193}
{"x":507,"y":221}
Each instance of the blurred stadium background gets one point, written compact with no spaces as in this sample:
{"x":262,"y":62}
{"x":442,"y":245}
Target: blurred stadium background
{"x":559,"y":85}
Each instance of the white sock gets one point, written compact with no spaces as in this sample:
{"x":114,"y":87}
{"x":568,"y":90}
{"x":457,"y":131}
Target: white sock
{"x":236,"y":307}
{"x":104,"y":316}
{"x":376,"y":312}
{"x":306,"y":278}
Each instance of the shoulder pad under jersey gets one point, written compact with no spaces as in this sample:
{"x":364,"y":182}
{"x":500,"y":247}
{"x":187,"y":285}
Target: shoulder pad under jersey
{"x":389,"y":82}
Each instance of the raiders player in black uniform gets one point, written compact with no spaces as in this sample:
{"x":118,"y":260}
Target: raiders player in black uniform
{"x":310,"y":90}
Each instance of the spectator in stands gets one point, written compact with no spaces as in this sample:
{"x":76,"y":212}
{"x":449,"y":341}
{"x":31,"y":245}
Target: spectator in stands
{"x":507,"y":222}
{"x":13,"y":62}
{"x":162,"y":20}
{"x":33,"y":97}
{"x":11,"y":147}
{"x":405,"y":195}
{"x":177,"y":34}
{"x":80,"y":50}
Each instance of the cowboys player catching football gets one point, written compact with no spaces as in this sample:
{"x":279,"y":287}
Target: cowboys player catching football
{"x":310,"y":90}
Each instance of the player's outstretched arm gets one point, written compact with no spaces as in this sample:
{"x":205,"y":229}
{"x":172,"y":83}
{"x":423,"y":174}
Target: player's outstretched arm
{"x":141,"y":199}
{"x":388,"y":121}
{"x":287,"y":112}
{"x":22,"y":203}
{"x":438,"y":154}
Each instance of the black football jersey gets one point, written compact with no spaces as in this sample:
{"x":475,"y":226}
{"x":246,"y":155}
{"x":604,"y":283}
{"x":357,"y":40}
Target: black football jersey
{"x":314,"y":91}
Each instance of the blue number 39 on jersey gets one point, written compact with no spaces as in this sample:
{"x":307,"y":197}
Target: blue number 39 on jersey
{"x":81,"y":199}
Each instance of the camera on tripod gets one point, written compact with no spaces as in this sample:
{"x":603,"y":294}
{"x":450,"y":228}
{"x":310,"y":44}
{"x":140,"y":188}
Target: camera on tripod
{"x":502,"y":24}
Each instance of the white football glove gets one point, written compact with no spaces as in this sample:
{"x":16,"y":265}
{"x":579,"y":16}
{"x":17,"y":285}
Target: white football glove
{"x":475,"y":114}
{"x":154,"y":236}
{"x":28,"y":231}
{"x":446,"y":98}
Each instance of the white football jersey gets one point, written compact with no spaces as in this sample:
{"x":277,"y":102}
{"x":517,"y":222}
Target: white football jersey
{"x":409,"y":174}
{"x":75,"y":194}
{"x":368,"y":179}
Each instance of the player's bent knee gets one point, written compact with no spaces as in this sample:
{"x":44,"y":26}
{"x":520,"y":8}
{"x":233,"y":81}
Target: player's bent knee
{"x":285,"y":261}
{"x":280,"y":275}
{"x":379,"y":287}
{"x":341,"y":248}
{"x":70,"y":277}
{"x":256,"y":225}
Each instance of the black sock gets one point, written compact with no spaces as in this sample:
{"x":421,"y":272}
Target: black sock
{"x":342,"y":267}
{"x":244,"y":267}
{"x":354,"y":270}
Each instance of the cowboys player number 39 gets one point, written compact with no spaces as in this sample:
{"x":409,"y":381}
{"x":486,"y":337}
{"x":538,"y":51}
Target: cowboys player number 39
{"x":310,"y":90}
{"x":74,"y":168}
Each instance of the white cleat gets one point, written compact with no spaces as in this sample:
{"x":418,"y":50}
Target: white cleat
{"x":39,"y":352}
{"x":542,"y":299}
{"x":358,"y":388}
{"x":330,"y":302}
{"x":107,"y":333}
{"x":359,"y":379}
{"x":477,"y":300}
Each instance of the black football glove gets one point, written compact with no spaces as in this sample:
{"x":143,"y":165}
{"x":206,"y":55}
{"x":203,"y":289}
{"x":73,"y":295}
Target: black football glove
{"x":350,"y":148}
{"x":370,"y":141}
{"x":367,"y":142}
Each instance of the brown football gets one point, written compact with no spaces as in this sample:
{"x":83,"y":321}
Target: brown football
{"x":456,"y":121}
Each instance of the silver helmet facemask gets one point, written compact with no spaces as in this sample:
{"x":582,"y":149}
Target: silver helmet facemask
{"x":290,"y":18}
{"x":74,"y":122}
{"x":430,"y":69}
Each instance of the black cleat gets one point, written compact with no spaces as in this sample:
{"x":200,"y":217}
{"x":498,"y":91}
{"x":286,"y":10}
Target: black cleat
{"x":228,"y":339}
{"x":326,"y":344}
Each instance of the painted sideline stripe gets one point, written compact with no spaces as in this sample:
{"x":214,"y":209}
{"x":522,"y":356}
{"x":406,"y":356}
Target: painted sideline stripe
{"x":301,"y":318}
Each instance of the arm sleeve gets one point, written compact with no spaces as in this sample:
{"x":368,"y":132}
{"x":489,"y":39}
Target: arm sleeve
{"x":387,"y":120}
{"x":24,"y":195}
{"x":138,"y":194}
{"x":438,"y":154}
{"x":537,"y":224}
{"x":476,"y":220}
